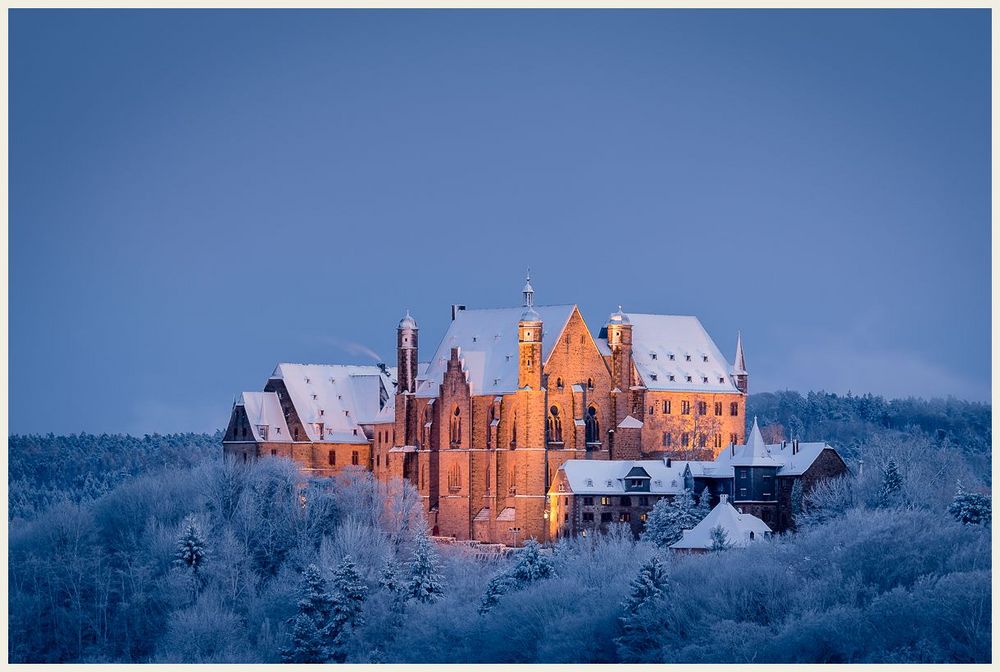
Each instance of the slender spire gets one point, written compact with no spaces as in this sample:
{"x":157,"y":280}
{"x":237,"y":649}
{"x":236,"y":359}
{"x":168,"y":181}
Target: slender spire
{"x":739,"y":364}
{"x":528,"y":291}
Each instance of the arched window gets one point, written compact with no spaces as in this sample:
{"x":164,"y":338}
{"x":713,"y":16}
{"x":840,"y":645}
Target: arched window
{"x":455,"y":478}
{"x":559,"y":384}
{"x":513,"y":430}
{"x":455,"y":430}
{"x":555,"y":426}
{"x":590,"y":383}
{"x":592,"y":426}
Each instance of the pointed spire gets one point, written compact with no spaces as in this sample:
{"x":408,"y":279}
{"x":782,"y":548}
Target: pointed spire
{"x":755,"y":453}
{"x":739,"y":364}
{"x":528,"y":291}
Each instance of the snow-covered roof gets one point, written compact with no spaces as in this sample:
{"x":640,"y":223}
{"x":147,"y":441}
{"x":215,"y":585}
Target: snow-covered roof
{"x":341,"y":397}
{"x":630,"y":423}
{"x":754,"y":453}
{"x":487,"y":339}
{"x":264,"y":413}
{"x":741,"y":528}
{"x":607,"y":477}
{"x":674,"y":352}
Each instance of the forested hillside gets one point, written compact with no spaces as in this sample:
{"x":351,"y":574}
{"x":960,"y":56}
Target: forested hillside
{"x":156,"y":550}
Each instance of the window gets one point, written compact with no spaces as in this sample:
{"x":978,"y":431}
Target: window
{"x":489,"y":426}
{"x":652,"y":355}
{"x":262,"y":429}
{"x":743,"y":493}
{"x":588,"y":517}
{"x":685,"y":439}
{"x":643,"y":517}
{"x":666,"y":407}
{"x":331,"y":458}
{"x":702,"y":408}
{"x":626,"y":501}
{"x":593,"y":428}
{"x":554,"y":428}
{"x":671,"y":379}
{"x":704,"y":358}
{"x":687,"y":358}
{"x":588,"y":501}
{"x":590,"y":383}
{"x":354,"y":457}
{"x":718,"y":408}
{"x":322,"y":412}
{"x":688,"y":378}
{"x":666,"y":439}
{"x":734,"y":409}
{"x":378,"y":461}
{"x":650,"y":410}
{"x":671,"y":357}
{"x":733,"y":438}
{"x":455,"y":478}
{"x":274,"y":453}
{"x":606,"y":517}
{"x":685,"y":408}
{"x":718,"y":440}
{"x":455,"y":428}
{"x":559,"y":383}
{"x":625,"y":517}
{"x":605,"y":501}
{"x":743,"y":473}
{"x":565,"y":517}
{"x":513,"y":430}
{"x":644,"y":501}
{"x":702,"y":440}
{"x":244,"y":458}
{"x":751,"y":535}
{"x":704,"y":379}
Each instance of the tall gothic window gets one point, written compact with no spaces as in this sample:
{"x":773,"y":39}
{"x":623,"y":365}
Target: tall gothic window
{"x":455,"y":478}
{"x":513,"y":430}
{"x":592,"y":426}
{"x":455,"y":429}
{"x":555,"y":426}
{"x":489,"y":427}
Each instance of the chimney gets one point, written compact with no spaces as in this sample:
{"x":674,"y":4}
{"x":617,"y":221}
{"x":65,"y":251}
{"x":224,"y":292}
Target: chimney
{"x":795,"y":446}
{"x":456,"y":308}
{"x":784,"y":443}
{"x":668,"y":462}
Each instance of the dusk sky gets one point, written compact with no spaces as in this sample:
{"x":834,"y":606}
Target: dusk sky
{"x":196,"y":196}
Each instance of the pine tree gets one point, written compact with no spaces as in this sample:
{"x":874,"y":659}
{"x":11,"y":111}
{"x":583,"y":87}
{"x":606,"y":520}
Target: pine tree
{"x":348,"y":595}
{"x":641,"y":624}
{"x":971,"y":508}
{"x":892,"y":486}
{"x":389,"y":579}
{"x":649,"y":585}
{"x":669,"y":518}
{"x":425,"y":576}
{"x":191,"y":552}
{"x":531,"y":566}
{"x":720,"y":540}
{"x":704,"y":504}
{"x":312,"y":622}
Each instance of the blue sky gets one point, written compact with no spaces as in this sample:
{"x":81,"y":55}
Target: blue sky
{"x":195,"y":196}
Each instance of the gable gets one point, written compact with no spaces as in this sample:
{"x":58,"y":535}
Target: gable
{"x":575,"y":357}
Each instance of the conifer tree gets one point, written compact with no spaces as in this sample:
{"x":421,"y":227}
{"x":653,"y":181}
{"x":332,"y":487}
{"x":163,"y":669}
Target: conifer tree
{"x":191,"y":551}
{"x":311,"y":624}
{"x":797,"y":497}
{"x":668,"y":519}
{"x":389,"y":579}
{"x":425,"y":576}
{"x":704,"y":504}
{"x":348,"y":594}
{"x":892,"y":486}
{"x":720,"y":540}
{"x":649,"y":584}
{"x":531,"y":566}
{"x":641,"y":624}
{"x":971,"y":508}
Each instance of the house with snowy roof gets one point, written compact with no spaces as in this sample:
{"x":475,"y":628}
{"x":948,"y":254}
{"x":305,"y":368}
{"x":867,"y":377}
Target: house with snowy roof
{"x":756,"y":478}
{"x":508,"y":396}
{"x":723,"y":527}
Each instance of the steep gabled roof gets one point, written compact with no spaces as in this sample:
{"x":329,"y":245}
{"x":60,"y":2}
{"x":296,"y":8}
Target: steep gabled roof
{"x":340,"y":396}
{"x":738,"y":527}
{"x":607,"y":477}
{"x":263,"y":409}
{"x":655,"y":338}
{"x":755,"y":453}
{"x":487,"y":339}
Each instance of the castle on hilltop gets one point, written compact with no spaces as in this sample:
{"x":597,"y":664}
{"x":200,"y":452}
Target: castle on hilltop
{"x":508,"y":397}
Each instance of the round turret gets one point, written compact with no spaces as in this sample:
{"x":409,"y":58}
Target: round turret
{"x":618,"y":317}
{"x":407,"y":322}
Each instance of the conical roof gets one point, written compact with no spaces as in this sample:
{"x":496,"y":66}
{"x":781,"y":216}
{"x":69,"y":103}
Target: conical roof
{"x":755,"y":452}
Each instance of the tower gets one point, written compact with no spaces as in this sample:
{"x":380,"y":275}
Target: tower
{"x":620,"y":342}
{"x":406,"y":354}
{"x":740,"y":375}
{"x":529,"y":342}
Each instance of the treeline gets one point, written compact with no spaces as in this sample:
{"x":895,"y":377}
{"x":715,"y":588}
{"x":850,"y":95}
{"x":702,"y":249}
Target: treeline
{"x":43,"y":470}
{"x":231,"y":563}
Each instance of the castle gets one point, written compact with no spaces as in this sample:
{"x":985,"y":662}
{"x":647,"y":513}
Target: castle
{"x":508,"y":397}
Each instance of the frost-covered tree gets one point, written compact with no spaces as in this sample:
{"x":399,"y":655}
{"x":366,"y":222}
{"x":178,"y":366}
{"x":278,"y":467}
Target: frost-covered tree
{"x":426,"y":582}
{"x":669,"y":518}
{"x":389,"y":579}
{"x":890,"y":492}
{"x":347,"y":593}
{"x":971,"y":508}
{"x":704,"y":504}
{"x":639,"y":626}
{"x":311,"y":624}
{"x":191,"y":548}
{"x":720,"y":540}
{"x":531,"y":565}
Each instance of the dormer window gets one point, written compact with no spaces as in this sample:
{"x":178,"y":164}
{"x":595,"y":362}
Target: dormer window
{"x":671,"y":379}
{"x":322,"y":412}
{"x":590,"y":482}
{"x":609,"y":483}
{"x":689,"y":379}
{"x":475,"y":339}
{"x":652,"y":376}
{"x":721,"y":379}
{"x":671,"y":357}
{"x":314,"y":397}
{"x":704,"y":379}
{"x":307,"y":380}
{"x":687,"y":358}
{"x":652,"y":355}
{"x":262,"y":430}
{"x":704,"y":358}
